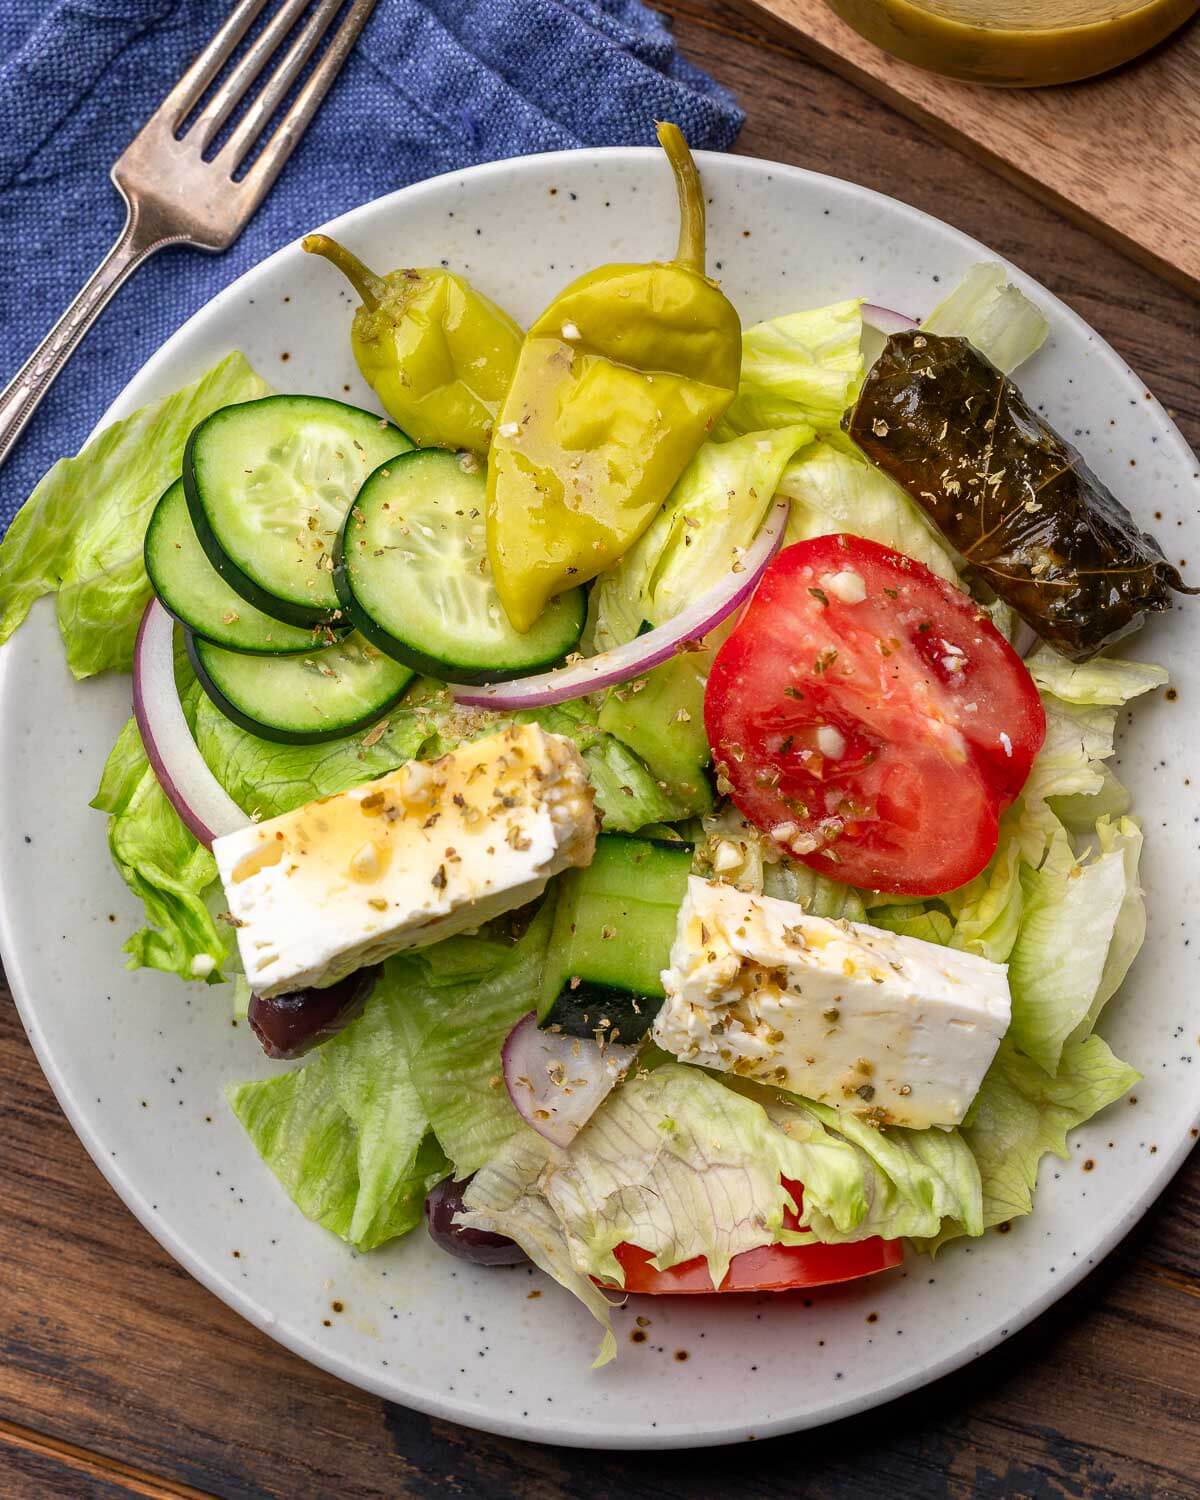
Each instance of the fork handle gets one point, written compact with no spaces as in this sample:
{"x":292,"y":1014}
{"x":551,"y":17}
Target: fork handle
{"x":21,"y":396}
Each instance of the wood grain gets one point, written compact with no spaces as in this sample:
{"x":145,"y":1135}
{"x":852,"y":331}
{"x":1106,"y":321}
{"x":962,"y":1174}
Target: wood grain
{"x":1119,"y":153}
{"x":120,"y":1375}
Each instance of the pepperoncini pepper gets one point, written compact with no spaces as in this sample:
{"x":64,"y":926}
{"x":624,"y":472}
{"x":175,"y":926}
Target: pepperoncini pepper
{"x":618,"y":383}
{"x":437,"y":353}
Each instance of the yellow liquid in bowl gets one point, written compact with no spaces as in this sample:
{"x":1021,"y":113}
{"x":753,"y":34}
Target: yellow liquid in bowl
{"x":1016,"y":43}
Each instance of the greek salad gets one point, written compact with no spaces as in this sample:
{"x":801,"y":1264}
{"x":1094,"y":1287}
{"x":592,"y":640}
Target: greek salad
{"x":654,"y":774}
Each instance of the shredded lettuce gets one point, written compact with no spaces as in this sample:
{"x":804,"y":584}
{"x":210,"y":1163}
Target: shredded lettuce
{"x":716,"y":506}
{"x":992,"y":314}
{"x":346,"y":1132}
{"x":834,"y":489}
{"x":803,"y":367}
{"x":80,"y":533}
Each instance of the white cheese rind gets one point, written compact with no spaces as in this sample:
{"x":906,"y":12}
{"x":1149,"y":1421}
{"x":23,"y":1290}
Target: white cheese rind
{"x":890,"y":1028}
{"x":433,"y":848}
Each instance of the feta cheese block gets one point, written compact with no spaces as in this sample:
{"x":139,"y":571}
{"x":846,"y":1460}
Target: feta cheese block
{"x":433,"y":848}
{"x":893,"y":1029}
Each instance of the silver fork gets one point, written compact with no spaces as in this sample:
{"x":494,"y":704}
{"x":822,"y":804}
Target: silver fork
{"x":172,"y":195}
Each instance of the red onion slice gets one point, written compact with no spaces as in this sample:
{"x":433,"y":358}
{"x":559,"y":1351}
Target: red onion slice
{"x":886,"y":319}
{"x":650,"y":650}
{"x":191,"y":788}
{"x":558,"y":1082}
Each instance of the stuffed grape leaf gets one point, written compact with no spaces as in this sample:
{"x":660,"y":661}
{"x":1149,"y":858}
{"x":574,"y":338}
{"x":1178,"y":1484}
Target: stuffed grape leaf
{"x":1009,"y":494}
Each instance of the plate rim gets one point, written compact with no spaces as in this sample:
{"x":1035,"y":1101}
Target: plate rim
{"x":569,"y":1432}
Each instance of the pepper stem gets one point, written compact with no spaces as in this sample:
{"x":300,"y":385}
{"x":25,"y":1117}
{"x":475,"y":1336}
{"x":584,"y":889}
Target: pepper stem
{"x":370,"y":288}
{"x":691,"y":195}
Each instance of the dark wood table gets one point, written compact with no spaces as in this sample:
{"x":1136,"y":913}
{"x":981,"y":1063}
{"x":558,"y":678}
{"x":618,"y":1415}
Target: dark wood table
{"x":120,"y":1375}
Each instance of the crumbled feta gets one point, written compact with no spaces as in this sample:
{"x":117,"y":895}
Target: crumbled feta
{"x":849,"y":586}
{"x":831,"y":741}
{"x":726,"y":856}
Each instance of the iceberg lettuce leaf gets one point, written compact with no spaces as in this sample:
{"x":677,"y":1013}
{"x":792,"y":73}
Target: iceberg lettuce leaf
{"x":733,"y":850}
{"x":1103,"y":680}
{"x":268,"y":779}
{"x":987,"y":310}
{"x":346,"y":1133}
{"x":456,"y":1031}
{"x":911,"y":1180}
{"x":717,"y":505}
{"x":832,"y":488}
{"x":684,"y":1164}
{"x":1079,"y":812}
{"x":916,"y":921}
{"x":1079,"y":737}
{"x":681,"y":1165}
{"x":80,"y":533}
{"x":802,"y":367}
{"x":987,"y":911}
{"x":162,"y":864}
{"x":505,"y":1197}
{"x":1021,"y":1113}
{"x":1083,"y":923}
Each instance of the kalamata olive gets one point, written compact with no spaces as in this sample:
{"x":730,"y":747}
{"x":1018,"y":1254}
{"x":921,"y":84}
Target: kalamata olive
{"x":479,"y":1246}
{"x":290,"y":1025}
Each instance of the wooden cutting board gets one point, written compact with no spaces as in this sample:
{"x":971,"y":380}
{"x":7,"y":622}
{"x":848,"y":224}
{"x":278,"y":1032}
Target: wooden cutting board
{"x":1119,"y":153}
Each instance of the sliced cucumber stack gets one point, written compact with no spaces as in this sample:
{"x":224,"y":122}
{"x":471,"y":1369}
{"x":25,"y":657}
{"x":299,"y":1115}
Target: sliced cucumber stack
{"x":412,"y":572}
{"x":268,"y":487}
{"x":193,"y":591}
{"x":302,"y":699}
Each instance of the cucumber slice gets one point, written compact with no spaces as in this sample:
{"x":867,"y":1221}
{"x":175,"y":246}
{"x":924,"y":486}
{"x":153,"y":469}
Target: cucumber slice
{"x":412,"y":573}
{"x":268,"y":486}
{"x":614,"y":923}
{"x":300,"y":700}
{"x":193,"y":591}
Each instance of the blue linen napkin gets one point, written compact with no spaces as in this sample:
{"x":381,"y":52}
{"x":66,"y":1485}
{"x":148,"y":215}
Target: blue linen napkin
{"x":431,"y":87}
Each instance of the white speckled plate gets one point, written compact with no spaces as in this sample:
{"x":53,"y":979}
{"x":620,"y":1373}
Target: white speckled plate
{"x":138,"y":1061}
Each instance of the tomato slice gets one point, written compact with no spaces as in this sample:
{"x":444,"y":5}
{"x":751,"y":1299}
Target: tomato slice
{"x":871,"y":717}
{"x":771,"y":1268}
